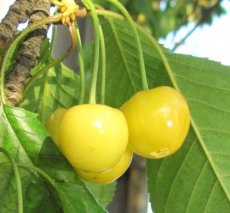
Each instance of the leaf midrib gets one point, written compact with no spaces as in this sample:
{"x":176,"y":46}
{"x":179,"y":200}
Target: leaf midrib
{"x":212,"y":164}
{"x":121,"y":53}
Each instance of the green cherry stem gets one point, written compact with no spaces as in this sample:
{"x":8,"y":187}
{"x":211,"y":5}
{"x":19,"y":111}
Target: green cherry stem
{"x":137,"y":39}
{"x":108,"y":13}
{"x":93,"y":87}
{"x":81,"y":65}
{"x":103,"y":65}
{"x":163,"y":57}
{"x":103,"y":61}
{"x":17,"y":177}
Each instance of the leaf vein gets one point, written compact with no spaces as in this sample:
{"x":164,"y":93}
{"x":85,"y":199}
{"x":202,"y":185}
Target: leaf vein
{"x":178,"y":171}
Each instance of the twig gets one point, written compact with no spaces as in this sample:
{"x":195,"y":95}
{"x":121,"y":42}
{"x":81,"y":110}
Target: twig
{"x":27,"y":55}
{"x":18,"y":13}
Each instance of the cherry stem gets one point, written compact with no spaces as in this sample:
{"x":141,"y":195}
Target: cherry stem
{"x":81,"y":65}
{"x":137,"y":39}
{"x":96,"y":24}
{"x":164,"y":59}
{"x":108,"y":13}
{"x":103,"y":65}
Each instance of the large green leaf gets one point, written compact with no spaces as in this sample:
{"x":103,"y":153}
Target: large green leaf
{"x":195,"y":179}
{"x":23,"y":135}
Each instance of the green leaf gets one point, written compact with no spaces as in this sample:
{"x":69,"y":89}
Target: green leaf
{"x":122,"y":77}
{"x":103,"y":193}
{"x":17,"y":135}
{"x":36,"y":197}
{"x":67,"y":192}
{"x":23,"y":135}
{"x":59,"y":87}
{"x":196,"y":178}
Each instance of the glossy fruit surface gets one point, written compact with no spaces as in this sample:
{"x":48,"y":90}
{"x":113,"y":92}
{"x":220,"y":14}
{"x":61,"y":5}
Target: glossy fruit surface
{"x":158,"y":121}
{"x":93,"y":137}
{"x":109,"y":175}
{"x":53,"y":123}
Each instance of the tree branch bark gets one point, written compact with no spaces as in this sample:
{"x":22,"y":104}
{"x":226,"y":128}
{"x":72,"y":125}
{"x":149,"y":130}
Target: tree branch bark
{"x":18,"y":13}
{"x":27,"y":55}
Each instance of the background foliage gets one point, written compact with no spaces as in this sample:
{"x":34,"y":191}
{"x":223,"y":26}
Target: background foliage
{"x":161,"y":17}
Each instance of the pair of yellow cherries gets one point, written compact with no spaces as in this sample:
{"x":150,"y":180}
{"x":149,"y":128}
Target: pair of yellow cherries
{"x":99,"y":140}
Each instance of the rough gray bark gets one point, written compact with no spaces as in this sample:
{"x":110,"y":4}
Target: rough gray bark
{"x":27,"y":55}
{"x":18,"y":13}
